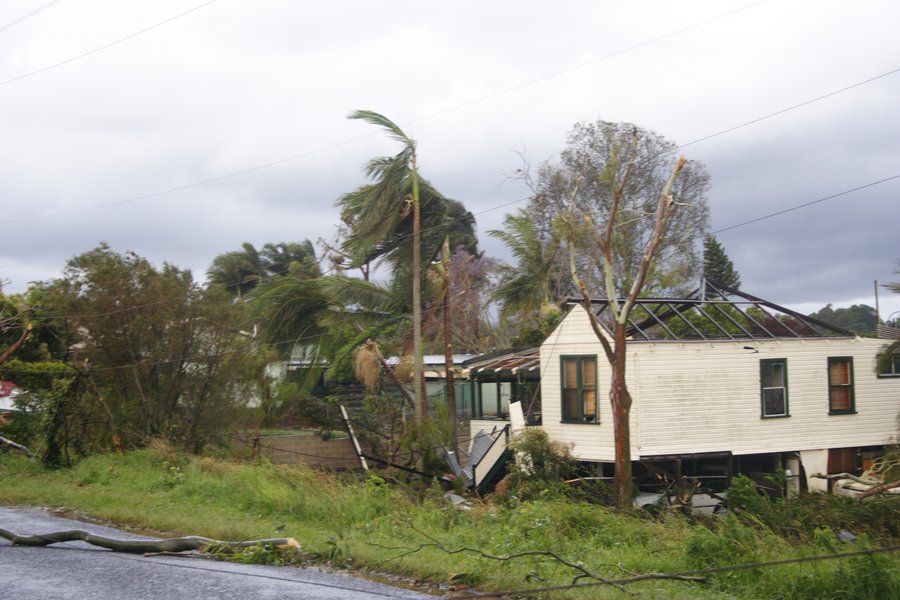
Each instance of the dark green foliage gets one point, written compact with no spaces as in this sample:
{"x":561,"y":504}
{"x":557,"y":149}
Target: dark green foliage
{"x":241,"y":271}
{"x":379,"y":215}
{"x":802,"y":517}
{"x":542,"y":468}
{"x":859,"y":318}
{"x":717,"y":267}
{"x":39,"y":384}
{"x":155,"y":355}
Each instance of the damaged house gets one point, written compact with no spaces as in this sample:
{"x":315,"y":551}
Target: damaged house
{"x":722,"y":383}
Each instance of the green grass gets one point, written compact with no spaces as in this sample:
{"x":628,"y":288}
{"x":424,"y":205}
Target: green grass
{"x":370,"y":524}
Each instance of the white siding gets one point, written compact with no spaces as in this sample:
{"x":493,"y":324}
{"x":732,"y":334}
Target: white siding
{"x":692,"y":397}
{"x":574,"y":336}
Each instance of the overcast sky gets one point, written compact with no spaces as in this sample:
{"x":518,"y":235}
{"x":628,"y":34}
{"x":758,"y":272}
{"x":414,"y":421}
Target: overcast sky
{"x":179,"y":135}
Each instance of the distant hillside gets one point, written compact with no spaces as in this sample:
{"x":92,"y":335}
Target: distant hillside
{"x":859,"y":318}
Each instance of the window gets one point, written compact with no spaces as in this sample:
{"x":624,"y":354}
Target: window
{"x":494,"y":399}
{"x":892,"y":368}
{"x":579,"y":389}
{"x":773,"y":381}
{"x":840,"y":385}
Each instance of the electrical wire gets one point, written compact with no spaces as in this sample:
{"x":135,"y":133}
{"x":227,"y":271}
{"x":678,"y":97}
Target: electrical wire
{"x":790,"y":108}
{"x":806,"y":204}
{"x":361,"y":137}
{"x":350,"y":140}
{"x":27,"y":16}
{"x":105,"y":46}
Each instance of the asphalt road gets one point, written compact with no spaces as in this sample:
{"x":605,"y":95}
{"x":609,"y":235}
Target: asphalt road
{"x":79,"y":571}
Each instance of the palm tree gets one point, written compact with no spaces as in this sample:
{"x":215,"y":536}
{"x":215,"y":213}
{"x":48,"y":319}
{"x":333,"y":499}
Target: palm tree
{"x":322,"y":322}
{"x":298,"y":258}
{"x":376,"y":210}
{"x":238,"y":272}
{"x":535,"y":281}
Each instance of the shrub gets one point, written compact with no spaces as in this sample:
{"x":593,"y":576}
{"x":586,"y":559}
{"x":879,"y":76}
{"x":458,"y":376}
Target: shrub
{"x":542,"y":468}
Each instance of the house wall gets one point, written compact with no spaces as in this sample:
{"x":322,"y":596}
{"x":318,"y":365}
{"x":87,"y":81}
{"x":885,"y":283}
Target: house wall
{"x":695,"y":397}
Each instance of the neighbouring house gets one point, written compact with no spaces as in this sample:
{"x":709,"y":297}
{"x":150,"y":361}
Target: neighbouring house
{"x":498,"y":378}
{"x":8,"y":393}
{"x":722,"y":383}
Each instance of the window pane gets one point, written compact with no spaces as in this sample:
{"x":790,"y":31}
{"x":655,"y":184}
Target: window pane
{"x":590,"y":372}
{"x":590,"y":406}
{"x":773,"y":402}
{"x":840,"y":398}
{"x":570,"y":404}
{"x":839,"y":372}
{"x":773,"y":375}
{"x":489,"y":404}
{"x":505,"y":394}
{"x":571,"y":373}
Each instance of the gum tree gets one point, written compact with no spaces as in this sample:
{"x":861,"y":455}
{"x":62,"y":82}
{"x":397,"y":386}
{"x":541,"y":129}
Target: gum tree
{"x":596,"y":245}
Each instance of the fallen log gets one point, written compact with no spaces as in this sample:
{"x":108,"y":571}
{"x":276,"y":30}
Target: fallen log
{"x":182,"y":544}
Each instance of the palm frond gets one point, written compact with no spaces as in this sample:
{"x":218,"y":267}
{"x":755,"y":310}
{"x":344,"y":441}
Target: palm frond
{"x":380,"y":120}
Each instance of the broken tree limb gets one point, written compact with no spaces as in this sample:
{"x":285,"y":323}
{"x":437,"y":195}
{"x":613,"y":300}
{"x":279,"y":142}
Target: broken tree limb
{"x":581,"y":571}
{"x":182,"y":544}
{"x":848,"y":476}
{"x":18,"y":447}
{"x":878,"y":489}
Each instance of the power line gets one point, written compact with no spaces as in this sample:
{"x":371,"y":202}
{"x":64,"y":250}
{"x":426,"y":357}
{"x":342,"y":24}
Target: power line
{"x":790,"y":108}
{"x":583,"y":65}
{"x":351,"y":140}
{"x":799,"y":206}
{"x":105,"y":46}
{"x":26,"y":16}
{"x":362,"y":137}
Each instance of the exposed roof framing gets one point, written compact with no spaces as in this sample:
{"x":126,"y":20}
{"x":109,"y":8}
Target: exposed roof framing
{"x":716,"y":312}
{"x":506,"y":362}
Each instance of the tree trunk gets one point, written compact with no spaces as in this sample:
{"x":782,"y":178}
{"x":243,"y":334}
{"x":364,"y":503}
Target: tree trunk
{"x":15,"y":345}
{"x":448,"y":351}
{"x":620,"y":398}
{"x":421,"y":410}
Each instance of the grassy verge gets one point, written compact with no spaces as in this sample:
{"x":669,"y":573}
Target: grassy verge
{"x":367,"y":523}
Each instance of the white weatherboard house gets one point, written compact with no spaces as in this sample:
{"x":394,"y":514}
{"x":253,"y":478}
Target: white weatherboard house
{"x":722,"y":382}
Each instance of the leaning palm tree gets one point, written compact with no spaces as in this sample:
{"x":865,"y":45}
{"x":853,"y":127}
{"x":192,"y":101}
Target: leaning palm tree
{"x":321,"y":322}
{"x":375,"y":212}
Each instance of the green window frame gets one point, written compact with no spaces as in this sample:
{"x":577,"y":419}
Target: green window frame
{"x":841,"y":396}
{"x":893,"y":367}
{"x":773,"y":384}
{"x":578,"y":375}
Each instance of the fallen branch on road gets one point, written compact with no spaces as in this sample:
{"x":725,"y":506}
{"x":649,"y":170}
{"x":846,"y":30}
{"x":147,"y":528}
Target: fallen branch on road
{"x":182,"y":544}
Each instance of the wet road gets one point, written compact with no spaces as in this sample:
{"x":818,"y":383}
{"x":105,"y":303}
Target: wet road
{"x":78,"y":571}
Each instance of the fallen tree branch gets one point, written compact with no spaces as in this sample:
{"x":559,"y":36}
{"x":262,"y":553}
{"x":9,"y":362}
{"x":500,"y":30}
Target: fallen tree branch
{"x":848,"y":476}
{"x":582,"y":571}
{"x":18,"y":447}
{"x":878,"y":489}
{"x":182,"y":544}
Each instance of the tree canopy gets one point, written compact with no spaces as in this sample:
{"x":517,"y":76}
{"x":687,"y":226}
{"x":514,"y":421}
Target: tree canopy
{"x":859,"y":318}
{"x":154,"y":354}
{"x":717,"y":267}
{"x":586,"y":180}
